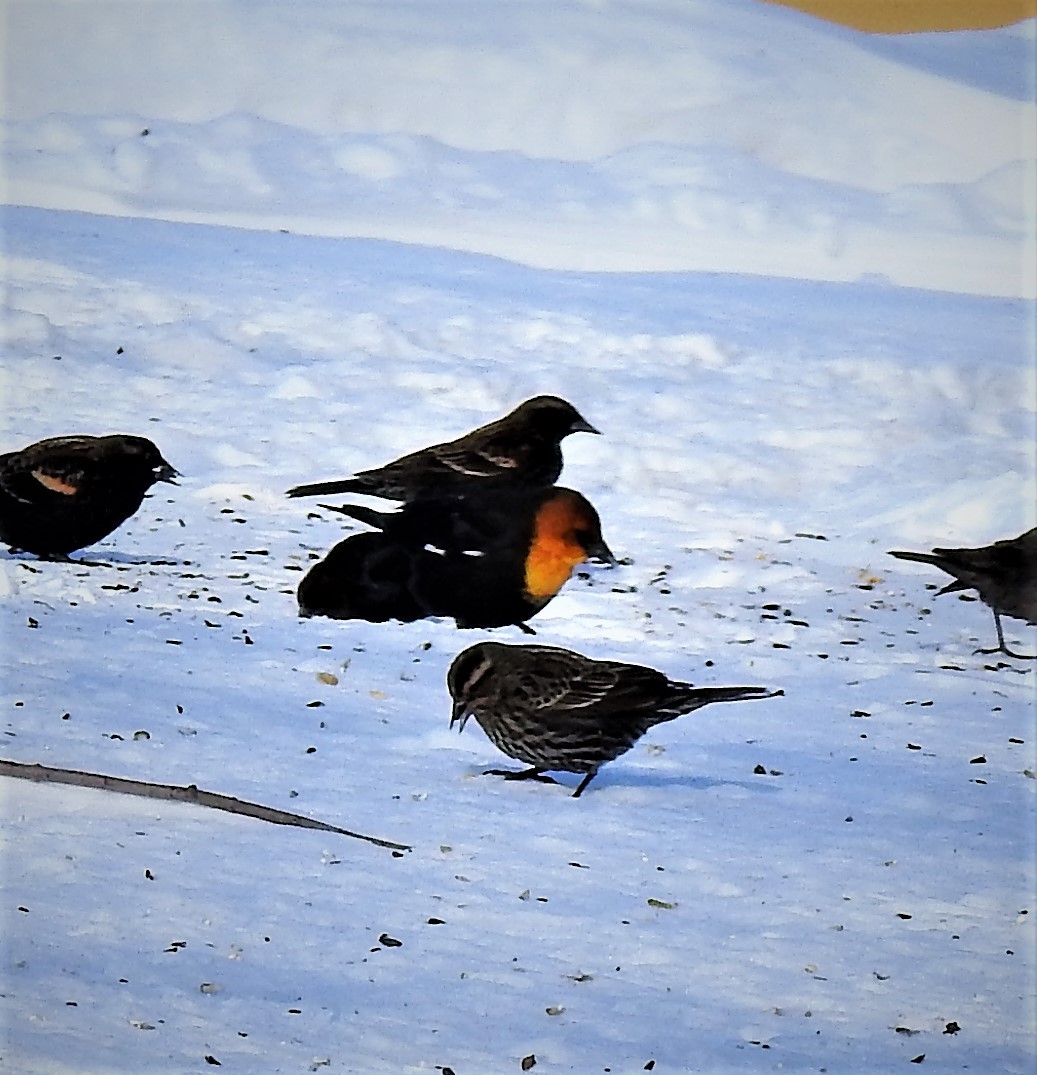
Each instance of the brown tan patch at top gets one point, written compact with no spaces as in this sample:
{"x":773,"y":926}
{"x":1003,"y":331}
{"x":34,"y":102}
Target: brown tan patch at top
{"x":54,"y":484}
{"x":917,"y":16}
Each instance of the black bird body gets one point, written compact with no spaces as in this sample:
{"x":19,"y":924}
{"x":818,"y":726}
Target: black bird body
{"x":1004,"y":575}
{"x":64,"y":493}
{"x":522,"y":450}
{"x":555,"y":709}
{"x":487,"y":561}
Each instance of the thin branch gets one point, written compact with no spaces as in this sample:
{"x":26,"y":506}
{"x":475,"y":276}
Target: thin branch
{"x":47,"y":774}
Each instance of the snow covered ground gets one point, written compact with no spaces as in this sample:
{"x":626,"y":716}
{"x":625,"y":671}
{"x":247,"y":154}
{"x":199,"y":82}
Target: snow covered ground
{"x":787,"y":269}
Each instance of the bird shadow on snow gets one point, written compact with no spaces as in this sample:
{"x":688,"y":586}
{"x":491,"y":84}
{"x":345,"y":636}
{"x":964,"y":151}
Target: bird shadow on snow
{"x":111,"y":559}
{"x":631,"y":778}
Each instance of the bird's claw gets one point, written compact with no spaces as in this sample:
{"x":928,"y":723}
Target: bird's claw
{"x":521,"y":774}
{"x":1007,"y":652}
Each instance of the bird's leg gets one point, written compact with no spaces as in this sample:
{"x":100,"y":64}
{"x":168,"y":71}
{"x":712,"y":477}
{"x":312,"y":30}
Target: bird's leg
{"x":584,"y":782}
{"x":525,"y":628}
{"x":523,"y":774}
{"x":1002,"y":648}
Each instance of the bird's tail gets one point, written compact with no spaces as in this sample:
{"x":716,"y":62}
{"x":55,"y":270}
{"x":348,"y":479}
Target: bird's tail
{"x":362,"y":514}
{"x":705,"y":695}
{"x":941,"y":558}
{"x":920,"y":557}
{"x":343,"y":485}
{"x":689,"y":698}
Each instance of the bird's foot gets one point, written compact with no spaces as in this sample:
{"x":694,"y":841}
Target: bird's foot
{"x":521,"y":774}
{"x":1008,"y":653}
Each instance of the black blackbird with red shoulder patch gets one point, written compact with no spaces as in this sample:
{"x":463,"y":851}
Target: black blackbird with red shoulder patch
{"x":64,"y":493}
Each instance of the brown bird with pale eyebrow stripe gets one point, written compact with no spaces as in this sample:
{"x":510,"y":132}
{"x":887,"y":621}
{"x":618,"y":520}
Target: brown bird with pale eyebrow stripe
{"x":522,"y":450}
{"x":1003,"y":574}
{"x":487,"y":561}
{"x":555,"y":709}
{"x":64,"y":493}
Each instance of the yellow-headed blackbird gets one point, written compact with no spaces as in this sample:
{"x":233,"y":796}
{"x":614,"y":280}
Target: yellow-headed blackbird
{"x":522,"y":450}
{"x":555,"y":709}
{"x":1003,"y":574}
{"x":64,"y":493}
{"x":488,"y":561}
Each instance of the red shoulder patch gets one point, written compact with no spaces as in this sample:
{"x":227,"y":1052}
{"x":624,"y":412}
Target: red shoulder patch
{"x":54,"y":484}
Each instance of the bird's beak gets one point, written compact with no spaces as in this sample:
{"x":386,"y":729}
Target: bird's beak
{"x":581,"y":425}
{"x":459,"y":716}
{"x":165,"y":473}
{"x":598,"y":550}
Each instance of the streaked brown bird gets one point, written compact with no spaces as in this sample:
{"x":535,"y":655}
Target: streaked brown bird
{"x":1003,"y":574}
{"x":522,"y":450}
{"x":555,"y":709}
{"x":487,"y":561}
{"x":64,"y":493}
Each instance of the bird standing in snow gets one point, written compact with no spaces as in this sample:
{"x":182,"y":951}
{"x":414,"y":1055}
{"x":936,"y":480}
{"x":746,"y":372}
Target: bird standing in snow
{"x":64,"y":493}
{"x":522,"y":450}
{"x":1003,"y":574}
{"x":489,"y":560}
{"x":553,"y":708}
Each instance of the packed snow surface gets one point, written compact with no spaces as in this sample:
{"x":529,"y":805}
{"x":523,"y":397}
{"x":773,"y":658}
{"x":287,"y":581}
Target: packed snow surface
{"x":787,"y":270}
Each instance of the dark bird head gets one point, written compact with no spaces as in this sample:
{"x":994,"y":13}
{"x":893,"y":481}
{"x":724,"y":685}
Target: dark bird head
{"x":145,"y":458}
{"x":469,"y":679}
{"x":553,"y":416}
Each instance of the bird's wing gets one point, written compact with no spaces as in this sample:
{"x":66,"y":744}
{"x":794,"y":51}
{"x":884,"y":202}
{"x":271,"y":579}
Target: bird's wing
{"x":602,"y":686}
{"x":60,"y":471}
{"x":475,"y":461}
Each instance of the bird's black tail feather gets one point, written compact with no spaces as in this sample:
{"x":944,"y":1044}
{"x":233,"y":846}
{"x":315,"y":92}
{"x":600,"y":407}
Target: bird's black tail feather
{"x":343,"y":485}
